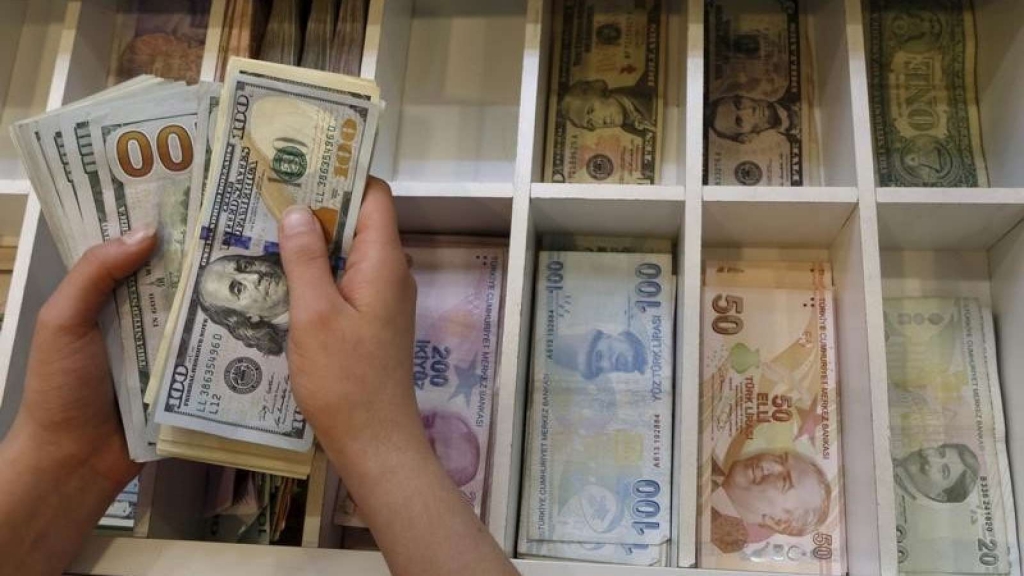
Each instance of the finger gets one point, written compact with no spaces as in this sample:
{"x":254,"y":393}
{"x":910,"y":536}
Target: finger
{"x":304,"y":255}
{"x":377,"y":265}
{"x":86,"y":289}
{"x":377,"y":227}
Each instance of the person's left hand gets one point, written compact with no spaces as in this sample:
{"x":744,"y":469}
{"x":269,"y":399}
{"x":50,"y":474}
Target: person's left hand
{"x":68,"y":415}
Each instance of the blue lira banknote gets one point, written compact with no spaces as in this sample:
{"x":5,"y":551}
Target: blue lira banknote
{"x":599,"y":433}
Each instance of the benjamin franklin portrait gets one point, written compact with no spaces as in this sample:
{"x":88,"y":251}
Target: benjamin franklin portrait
{"x":248,"y":295}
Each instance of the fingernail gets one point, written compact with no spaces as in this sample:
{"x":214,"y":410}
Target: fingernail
{"x":298,"y":219}
{"x":136,"y":235}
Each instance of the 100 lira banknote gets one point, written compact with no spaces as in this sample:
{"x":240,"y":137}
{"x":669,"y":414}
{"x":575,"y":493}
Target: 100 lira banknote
{"x":599,"y":435}
{"x":924,"y":99}
{"x":954,"y":509}
{"x":759,"y":122}
{"x":605,"y":104}
{"x":770,"y":489}
{"x":300,"y":132}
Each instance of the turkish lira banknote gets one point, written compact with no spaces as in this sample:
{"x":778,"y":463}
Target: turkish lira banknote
{"x":299,"y":132}
{"x":770,"y":480}
{"x":605,"y":105}
{"x":598,"y":456}
{"x":586,"y":243}
{"x":954,"y":508}
{"x":455,"y":356}
{"x":923,"y":91}
{"x":758,"y":95}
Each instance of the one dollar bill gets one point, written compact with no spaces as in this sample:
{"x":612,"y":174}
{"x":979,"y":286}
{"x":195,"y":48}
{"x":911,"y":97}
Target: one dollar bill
{"x":770,"y":489}
{"x":953,"y":495}
{"x":285,"y":130}
{"x":924,"y":98}
{"x":599,"y":440}
{"x":605,"y":105}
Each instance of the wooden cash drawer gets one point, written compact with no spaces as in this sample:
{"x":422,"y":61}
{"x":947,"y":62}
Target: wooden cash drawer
{"x":462,"y":141}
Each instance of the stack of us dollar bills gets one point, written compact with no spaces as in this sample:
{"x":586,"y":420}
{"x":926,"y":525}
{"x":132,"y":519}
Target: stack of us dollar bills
{"x":598,"y":457}
{"x":196,"y":338}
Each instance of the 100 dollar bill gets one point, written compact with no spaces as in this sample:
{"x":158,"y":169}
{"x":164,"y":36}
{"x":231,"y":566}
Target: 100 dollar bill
{"x":924,"y":101}
{"x":299,"y":132}
{"x":599,"y":442}
{"x":770,"y":489}
{"x":953,"y":494}
{"x":605,"y":105}
{"x":759,"y":127}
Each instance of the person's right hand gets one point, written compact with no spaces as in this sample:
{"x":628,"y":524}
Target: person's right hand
{"x":350,"y":344}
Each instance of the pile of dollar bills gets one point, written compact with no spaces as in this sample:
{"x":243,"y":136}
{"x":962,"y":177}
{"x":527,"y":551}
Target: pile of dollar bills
{"x":196,"y":338}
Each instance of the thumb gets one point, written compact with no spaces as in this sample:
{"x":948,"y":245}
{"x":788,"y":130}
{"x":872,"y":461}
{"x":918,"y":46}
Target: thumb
{"x":304,"y":255}
{"x":87,"y":287}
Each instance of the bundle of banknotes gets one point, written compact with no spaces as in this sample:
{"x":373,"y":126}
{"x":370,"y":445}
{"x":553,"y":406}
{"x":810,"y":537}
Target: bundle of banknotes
{"x":770,"y":481}
{"x":605,"y":105}
{"x":759,"y":124}
{"x":252,"y":507}
{"x":196,"y":338}
{"x":954,"y":503}
{"x":319,"y":34}
{"x":598,"y":453}
{"x":7,"y":254}
{"x":923,"y":93}
{"x":161,"y":37}
{"x":455,"y":357}
{"x":120,"y":514}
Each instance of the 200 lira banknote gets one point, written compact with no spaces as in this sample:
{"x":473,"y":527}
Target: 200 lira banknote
{"x":924,"y":97}
{"x":758,"y":95}
{"x":455,"y":353}
{"x":954,"y":508}
{"x":605,"y":103}
{"x":300,"y":132}
{"x":770,"y":480}
{"x":599,"y":437}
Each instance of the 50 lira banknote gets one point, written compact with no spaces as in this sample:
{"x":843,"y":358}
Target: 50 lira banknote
{"x":770,"y":489}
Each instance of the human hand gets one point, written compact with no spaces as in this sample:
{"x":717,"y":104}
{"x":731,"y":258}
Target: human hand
{"x":350,"y":344}
{"x":68,"y":417}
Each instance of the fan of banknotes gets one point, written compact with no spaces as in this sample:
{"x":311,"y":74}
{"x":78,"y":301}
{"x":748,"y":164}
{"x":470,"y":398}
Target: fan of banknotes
{"x":196,"y":338}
